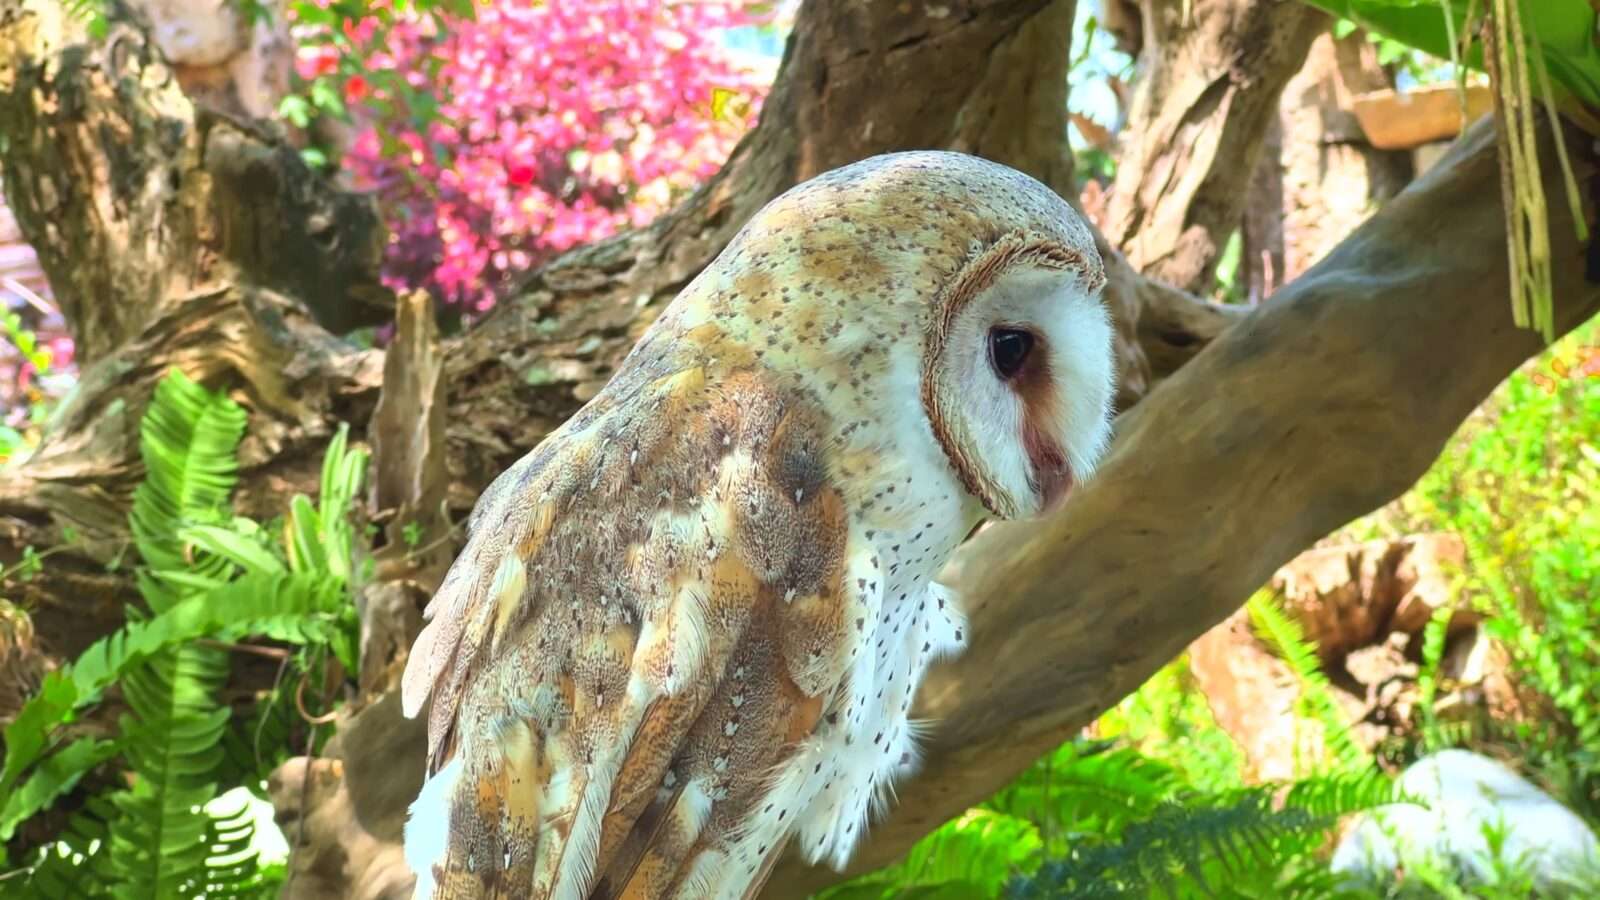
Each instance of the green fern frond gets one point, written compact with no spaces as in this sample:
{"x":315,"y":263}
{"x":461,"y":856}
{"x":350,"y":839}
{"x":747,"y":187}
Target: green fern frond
{"x":73,"y":866}
{"x":1285,"y":637}
{"x":172,"y":733}
{"x":1334,"y":796}
{"x":187,"y":440}
{"x":205,"y":574}
{"x":56,"y":776}
{"x":173,"y":737}
{"x":1079,"y":790}
{"x":320,"y":537}
{"x":230,"y":869}
{"x":971,"y":856}
{"x":1193,"y":842}
{"x":1434,"y":736}
{"x":292,"y":607}
{"x":93,"y":13}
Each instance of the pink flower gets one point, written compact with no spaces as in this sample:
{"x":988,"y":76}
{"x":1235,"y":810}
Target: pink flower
{"x":558,"y":123}
{"x":356,"y":89}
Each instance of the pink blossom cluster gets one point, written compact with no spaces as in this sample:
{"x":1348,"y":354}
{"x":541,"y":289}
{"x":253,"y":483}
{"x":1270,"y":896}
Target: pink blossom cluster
{"x":556,"y":123}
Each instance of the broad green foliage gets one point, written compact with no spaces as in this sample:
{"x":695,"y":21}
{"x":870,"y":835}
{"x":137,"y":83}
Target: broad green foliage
{"x":1191,"y":844}
{"x":1539,"y":53}
{"x":1169,"y":720}
{"x":1521,"y":485}
{"x":206,"y":578}
{"x":1563,"y":30}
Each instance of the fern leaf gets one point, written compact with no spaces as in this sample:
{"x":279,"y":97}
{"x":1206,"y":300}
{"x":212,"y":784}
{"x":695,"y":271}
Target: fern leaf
{"x":1100,"y":791}
{"x":28,"y":733}
{"x":239,"y":543}
{"x":73,"y":866}
{"x":187,"y":441}
{"x":1434,"y":737}
{"x":173,"y":737}
{"x":1284,"y":635}
{"x":1195,"y":842}
{"x":288,"y":606}
{"x":58,"y":775}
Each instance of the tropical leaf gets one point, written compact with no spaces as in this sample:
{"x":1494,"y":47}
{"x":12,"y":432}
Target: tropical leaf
{"x":173,"y":739}
{"x":56,"y":776}
{"x":1195,"y":842}
{"x":1284,"y":635}
{"x":186,"y":441}
{"x":291,"y":607}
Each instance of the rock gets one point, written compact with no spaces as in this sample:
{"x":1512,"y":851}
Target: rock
{"x":1353,"y":595}
{"x":1463,"y":793}
{"x":1251,"y":694}
{"x":345,"y":821}
{"x":1364,"y":606}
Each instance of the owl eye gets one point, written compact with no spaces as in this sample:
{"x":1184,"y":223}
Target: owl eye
{"x":1008,"y":350}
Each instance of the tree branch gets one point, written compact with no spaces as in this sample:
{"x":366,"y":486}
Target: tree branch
{"x":1325,"y":403}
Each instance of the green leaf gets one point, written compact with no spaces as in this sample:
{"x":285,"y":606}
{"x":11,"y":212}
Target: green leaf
{"x":236,"y":544}
{"x":1284,"y":635}
{"x":1564,"y":30}
{"x":295,"y":110}
{"x":254,"y":604}
{"x":58,"y":775}
{"x":187,"y":441}
{"x":28,"y":732}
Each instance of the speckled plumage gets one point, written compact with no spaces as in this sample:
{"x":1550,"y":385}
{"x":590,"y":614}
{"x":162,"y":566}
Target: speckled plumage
{"x":688,"y":627}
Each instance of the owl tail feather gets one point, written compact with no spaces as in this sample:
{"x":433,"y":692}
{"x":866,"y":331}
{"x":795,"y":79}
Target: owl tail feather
{"x":473,"y":831}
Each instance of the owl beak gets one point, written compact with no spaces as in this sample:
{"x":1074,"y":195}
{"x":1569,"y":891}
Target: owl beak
{"x":1052,"y":474}
{"x":1054,"y":483}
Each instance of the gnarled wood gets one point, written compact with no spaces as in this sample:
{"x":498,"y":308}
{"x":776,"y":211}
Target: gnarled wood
{"x":1212,"y":74}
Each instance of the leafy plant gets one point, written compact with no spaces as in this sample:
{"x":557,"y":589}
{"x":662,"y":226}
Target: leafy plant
{"x":1531,"y":49}
{"x":1286,"y":638}
{"x":1250,"y":839}
{"x":1520,"y":485}
{"x":207,"y":579}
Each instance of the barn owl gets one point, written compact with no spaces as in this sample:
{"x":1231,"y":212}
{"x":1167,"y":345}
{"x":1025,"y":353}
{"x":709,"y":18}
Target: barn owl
{"x":686,"y":630}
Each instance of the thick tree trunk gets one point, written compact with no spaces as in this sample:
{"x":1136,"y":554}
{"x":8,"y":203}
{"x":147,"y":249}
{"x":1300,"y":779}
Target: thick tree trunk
{"x":1183,"y":170}
{"x":1202,"y":476}
{"x":1211,"y":75}
{"x":1330,"y":177}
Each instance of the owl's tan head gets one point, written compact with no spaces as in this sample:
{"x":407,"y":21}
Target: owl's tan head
{"x":951,"y":302}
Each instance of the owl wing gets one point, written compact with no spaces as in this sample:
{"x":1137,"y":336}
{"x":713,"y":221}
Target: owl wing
{"x":651,"y":614}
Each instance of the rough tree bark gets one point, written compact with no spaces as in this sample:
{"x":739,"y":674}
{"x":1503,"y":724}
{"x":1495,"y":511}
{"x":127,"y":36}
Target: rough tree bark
{"x":1211,"y":73}
{"x":1323,"y":177}
{"x":1177,"y":197}
{"x":1358,"y":354}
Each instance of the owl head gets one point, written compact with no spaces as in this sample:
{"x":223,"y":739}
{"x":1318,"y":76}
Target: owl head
{"x":1018,"y":371}
{"x":946,"y":305}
